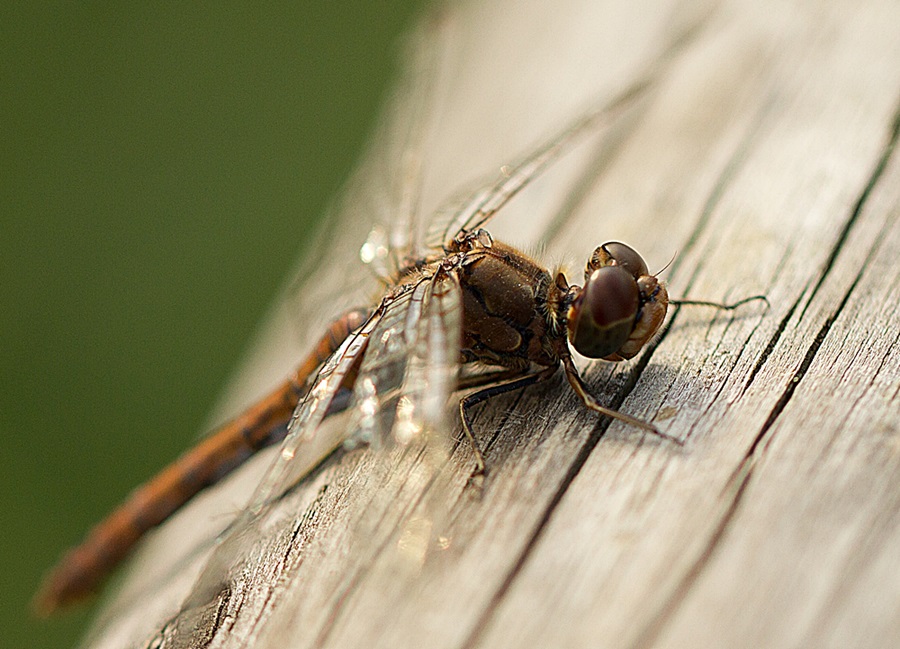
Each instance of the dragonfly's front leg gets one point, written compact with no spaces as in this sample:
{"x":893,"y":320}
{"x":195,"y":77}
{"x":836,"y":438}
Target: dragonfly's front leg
{"x":591,"y":402}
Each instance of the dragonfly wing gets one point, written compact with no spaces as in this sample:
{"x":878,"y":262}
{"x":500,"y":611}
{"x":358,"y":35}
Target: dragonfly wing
{"x":397,"y":155}
{"x":302,"y":450}
{"x":425,"y":415}
{"x":380,"y":379}
{"x":377,"y":356}
{"x":401,"y":409}
{"x":481,"y":204}
{"x":434,"y":363}
{"x":376,"y":215}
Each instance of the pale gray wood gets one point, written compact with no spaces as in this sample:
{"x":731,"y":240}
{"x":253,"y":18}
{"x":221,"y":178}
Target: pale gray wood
{"x":764,"y":158}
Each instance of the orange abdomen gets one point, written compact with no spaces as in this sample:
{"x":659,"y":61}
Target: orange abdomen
{"x":81,"y":571}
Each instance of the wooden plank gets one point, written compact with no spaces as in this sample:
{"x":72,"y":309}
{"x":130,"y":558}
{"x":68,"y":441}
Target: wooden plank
{"x":764,"y":160}
{"x":661,"y":520}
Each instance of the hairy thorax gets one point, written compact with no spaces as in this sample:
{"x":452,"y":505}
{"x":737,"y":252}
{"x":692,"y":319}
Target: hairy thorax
{"x":504,"y":305}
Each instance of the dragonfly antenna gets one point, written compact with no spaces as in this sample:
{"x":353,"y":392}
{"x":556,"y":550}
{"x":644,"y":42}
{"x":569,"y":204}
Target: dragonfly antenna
{"x":720,"y":305}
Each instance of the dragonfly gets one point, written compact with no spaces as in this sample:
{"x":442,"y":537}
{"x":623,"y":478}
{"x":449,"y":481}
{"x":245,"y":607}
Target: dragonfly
{"x":460,"y":299}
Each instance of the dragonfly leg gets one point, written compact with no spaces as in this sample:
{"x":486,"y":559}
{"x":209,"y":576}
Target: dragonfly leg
{"x":487,"y":378}
{"x":488,"y":393}
{"x":591,"y":402}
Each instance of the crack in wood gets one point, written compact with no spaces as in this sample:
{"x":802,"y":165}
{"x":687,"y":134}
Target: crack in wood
{"x":828,"y":446}
{"x":658,"y":621}
{"x":826,"y":327}
{"x":874,"y":177}
{"x":365,"y":567}
{"x":741,"y":478}
{"x":729,"y":171}
{"x":773,"y":342}
{"x":220,"y":616}
{"x":574,"y":469}
{"x":722,"y":384}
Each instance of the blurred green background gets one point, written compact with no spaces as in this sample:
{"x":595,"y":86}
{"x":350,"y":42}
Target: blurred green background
{"x":161,"y":166}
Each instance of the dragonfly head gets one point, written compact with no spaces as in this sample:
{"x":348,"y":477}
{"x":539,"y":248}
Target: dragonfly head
{"x":620,"y":306}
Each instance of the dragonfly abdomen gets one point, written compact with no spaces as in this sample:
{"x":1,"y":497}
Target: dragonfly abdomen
{"x":85,"y":567}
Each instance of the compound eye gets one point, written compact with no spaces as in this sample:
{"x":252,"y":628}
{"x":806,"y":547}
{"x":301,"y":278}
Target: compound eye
{"x":626,"y":257}
{"x":603,"y":316}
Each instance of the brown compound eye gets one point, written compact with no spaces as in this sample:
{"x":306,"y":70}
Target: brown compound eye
{"x":628,"y":258}
{"x":615,"y":253}
{"x":602,"y":317}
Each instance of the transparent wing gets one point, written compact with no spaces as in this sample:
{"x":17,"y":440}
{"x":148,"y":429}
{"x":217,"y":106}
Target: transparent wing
{"x":396,"y":351}
{"x":302,"y":450}
{"x":425,"y":413}
{"x":415,"y":115}
{"x":378,"y":386}
{"x":377,"y":209}
{"x":481,"y":204}
{"x":401,"y":410}
{"x":394,"y":170}
{"x":403,"y":395}
{"x":410,"y":368}
{"x":434,"y":363}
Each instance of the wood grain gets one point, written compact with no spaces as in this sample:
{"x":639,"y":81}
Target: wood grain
{"x":764,"y":160}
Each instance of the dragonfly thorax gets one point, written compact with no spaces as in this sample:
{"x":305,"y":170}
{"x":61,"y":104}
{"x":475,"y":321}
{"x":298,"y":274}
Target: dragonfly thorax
{"x":503,"y":297}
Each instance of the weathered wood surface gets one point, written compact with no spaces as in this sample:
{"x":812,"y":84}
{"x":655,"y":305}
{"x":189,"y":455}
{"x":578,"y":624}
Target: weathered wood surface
{"x":764,"y":157}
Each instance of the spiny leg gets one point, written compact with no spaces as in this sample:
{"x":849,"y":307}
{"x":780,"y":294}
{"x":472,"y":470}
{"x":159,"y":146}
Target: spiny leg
{"x":591,"y":402}
{"x":488,"y":393}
